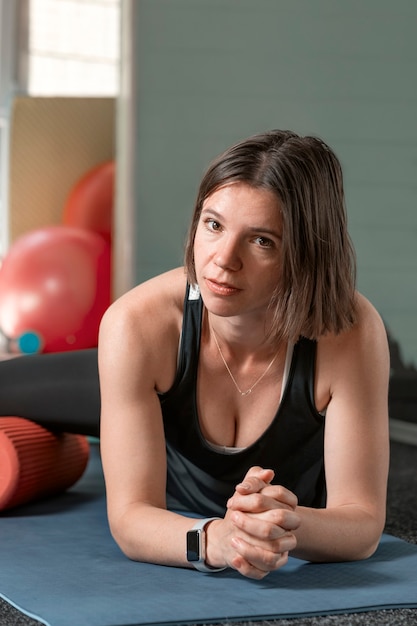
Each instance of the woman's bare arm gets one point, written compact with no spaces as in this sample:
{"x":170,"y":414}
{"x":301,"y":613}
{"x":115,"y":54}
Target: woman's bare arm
{"x":356,"y":446}
{"x":137,"y":357}
{"x":355,"y":368}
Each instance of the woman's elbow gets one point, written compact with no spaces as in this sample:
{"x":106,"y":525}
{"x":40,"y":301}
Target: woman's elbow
{"x":367,"y":543}
{"x":119,"y":530}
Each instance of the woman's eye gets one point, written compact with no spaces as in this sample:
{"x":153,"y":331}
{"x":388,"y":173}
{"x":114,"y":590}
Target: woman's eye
{"x":212,"y":224}
{"x":264,"y":242}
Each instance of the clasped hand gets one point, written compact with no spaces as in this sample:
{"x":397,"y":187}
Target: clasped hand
{"x":260,"y":521}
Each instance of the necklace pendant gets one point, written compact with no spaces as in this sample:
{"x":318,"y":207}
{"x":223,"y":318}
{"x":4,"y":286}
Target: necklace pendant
{"x":242,"y":393}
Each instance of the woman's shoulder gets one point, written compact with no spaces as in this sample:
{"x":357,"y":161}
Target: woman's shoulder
{"x":367,"y":339}
{"x":369,"y":326}
{"x":355,"y":358}
{"x":155,"y":305}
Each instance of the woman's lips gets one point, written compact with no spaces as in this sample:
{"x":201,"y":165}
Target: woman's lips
{"x":223,"y":289}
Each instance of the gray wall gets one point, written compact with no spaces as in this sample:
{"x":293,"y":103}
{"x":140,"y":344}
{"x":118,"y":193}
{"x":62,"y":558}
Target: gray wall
{"x":209,"y":72}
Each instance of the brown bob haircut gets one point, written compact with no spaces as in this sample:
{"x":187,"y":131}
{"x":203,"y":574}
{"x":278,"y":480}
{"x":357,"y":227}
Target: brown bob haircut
{"x":315,"y":291}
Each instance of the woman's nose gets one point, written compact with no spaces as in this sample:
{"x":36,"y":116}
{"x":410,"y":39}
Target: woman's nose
{"x":228,"y":255}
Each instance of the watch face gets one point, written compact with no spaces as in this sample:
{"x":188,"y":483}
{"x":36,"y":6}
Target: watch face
{"x":193,"y":545}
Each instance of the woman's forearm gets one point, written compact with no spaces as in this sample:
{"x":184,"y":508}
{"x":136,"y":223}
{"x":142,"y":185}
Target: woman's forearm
{"x":151,"y":534}
{"x":344,"y":533}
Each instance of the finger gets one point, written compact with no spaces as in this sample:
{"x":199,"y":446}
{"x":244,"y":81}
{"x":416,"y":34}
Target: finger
{"x":252,"y":484}
{"x":255,"y":503}
{"x":270,"y":525}
{"x":246,"y":569}
{"x":256,"y":470}
{"x":270,"y":497}
{"x":251,"y":571}
{"x":281,"y":494}
{"x":255,"y":559}
{"x":250,"y":502}
{"x":256,"y":479}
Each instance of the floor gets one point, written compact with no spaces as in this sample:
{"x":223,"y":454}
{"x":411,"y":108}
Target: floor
{"x":401,"y":522}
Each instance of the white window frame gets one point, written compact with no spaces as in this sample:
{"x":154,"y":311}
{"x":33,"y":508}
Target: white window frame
{"x":13,"y":80}
{"x":4,"y":186}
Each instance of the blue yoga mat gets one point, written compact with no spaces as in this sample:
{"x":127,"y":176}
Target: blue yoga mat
{"x":60,"y":565}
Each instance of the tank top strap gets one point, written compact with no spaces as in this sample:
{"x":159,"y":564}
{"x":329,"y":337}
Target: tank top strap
{"x":189,"y":348}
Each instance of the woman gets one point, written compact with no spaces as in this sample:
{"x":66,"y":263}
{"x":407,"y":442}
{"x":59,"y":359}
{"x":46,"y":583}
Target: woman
{"x":271,"y":416}
{"x":249,"y":387}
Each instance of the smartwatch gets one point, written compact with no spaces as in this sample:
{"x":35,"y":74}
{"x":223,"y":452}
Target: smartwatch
{"x":196,"y":546}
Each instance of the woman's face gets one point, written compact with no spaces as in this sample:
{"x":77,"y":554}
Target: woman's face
{"x":237,"y":249}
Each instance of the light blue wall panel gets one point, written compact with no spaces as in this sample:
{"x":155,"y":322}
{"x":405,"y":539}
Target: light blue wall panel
{"x":209,"y":72}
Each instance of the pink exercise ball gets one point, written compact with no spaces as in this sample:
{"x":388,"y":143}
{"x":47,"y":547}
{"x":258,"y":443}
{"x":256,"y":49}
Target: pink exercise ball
{"x":90,"y":202}
{"x":55,"y":281}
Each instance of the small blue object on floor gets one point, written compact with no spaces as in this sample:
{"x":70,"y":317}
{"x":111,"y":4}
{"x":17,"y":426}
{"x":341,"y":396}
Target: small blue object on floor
{"x":60,"y":565}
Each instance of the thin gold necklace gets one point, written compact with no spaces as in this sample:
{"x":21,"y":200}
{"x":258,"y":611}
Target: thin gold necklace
{"x":248,"y":391}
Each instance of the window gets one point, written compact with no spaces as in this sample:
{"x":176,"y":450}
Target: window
{"x":53,"y":48}
{"x":73,"y":47}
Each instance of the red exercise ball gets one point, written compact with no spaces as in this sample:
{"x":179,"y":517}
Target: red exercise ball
{"x":55,"y":281}
{"x":90,"y":202}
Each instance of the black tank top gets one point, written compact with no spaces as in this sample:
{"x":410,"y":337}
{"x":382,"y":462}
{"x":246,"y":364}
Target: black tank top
{"x":200,"y":479}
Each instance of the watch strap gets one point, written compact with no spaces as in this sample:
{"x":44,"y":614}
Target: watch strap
{"x":201,"y":565}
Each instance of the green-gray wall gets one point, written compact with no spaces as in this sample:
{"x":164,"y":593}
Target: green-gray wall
{"x":209,"y":72}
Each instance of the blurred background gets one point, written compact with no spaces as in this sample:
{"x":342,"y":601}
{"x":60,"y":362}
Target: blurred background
{"x":162,"y":86}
